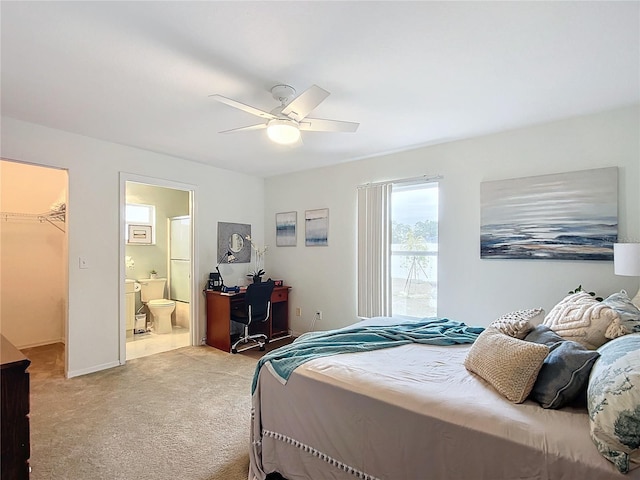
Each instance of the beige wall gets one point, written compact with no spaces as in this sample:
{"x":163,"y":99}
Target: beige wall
{"x":33,"y":256}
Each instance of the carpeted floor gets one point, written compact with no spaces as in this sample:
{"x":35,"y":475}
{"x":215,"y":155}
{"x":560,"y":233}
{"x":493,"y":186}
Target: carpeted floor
{"x":182,"y":414}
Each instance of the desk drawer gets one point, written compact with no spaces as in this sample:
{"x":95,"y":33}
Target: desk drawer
{"x":279,"y":296}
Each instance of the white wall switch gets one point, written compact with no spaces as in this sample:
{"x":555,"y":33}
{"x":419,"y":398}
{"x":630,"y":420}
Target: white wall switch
{"x":298,"y":312}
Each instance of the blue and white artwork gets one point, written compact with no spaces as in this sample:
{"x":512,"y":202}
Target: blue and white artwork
{"x":286,"y":229}
{"x":566,"y":216}
{"x":316,"y":227}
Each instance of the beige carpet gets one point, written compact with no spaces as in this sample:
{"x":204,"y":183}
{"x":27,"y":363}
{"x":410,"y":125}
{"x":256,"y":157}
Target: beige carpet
{"x":177,"y":415}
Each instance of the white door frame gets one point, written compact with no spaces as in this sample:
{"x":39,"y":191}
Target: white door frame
{"x":195,"y":299}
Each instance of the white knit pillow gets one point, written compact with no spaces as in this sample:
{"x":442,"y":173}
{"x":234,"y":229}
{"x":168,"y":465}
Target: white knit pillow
{"x":509,"y":364}
{"x":581,"y":318}
{"x":518,"y":324}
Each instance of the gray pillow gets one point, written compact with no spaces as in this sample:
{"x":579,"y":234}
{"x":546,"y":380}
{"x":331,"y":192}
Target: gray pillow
{"x":565,"y":371}
{"x":629,"y":321}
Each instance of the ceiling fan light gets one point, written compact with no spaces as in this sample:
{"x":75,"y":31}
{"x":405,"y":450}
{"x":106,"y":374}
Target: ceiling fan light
{"x":284,"y":132}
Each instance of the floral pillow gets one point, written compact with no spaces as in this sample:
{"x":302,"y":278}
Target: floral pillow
{"x":613,"y":401}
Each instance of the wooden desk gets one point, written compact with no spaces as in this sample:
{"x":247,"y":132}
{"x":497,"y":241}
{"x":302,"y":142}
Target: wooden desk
{"x":219,"y":307}
{"x":14,"y":381}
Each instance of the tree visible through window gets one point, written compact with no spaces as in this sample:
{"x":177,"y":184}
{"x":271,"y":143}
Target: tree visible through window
{"x":414,"y":249}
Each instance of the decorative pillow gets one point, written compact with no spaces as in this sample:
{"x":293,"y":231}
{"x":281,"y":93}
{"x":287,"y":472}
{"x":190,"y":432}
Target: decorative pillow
{"x":628,"y":320}
{"x":509,"y":364}
{"x":517,"y":324}
{"x":613,"y":401}
{"x":565,"y":372}
{"x":581,"y":318}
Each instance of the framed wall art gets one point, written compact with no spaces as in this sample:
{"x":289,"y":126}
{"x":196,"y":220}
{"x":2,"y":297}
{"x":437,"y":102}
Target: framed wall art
{"x":140,"y":234}
{"x":286,"y":229}
{"x":316,"y":227}
{"x":566,"y":216}
{"x":232,"y":237}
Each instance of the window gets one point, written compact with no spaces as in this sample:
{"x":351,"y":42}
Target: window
{"x":414,"y":249}
{"x":141,"y":215}
{"x":398,"y":249}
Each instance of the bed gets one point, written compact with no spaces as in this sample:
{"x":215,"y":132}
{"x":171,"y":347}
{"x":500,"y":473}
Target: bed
{"x":411,"y":412}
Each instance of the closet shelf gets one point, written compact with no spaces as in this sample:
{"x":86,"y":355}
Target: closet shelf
{"x":53,"y":217}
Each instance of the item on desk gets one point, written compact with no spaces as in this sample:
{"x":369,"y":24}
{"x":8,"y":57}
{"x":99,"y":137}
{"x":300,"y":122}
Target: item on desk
{"x":226,"y":289}
{"x":278,"y":283}
{"x":218,"y":281}
{"x":215,"y":281}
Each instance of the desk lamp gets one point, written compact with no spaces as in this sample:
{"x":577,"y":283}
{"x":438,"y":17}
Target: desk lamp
{"x":216,"y":282}
{"x":626,"y":261}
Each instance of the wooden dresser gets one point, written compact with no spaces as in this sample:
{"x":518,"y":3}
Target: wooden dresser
{"x":14,"y":383}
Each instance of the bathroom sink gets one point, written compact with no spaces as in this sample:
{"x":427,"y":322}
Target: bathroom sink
{"x":131,"y":286}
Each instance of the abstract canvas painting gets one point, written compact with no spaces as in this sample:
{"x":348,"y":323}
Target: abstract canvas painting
{"x":286,"y":229}
{"x":316,"y":227}
{"x":566,"y":216}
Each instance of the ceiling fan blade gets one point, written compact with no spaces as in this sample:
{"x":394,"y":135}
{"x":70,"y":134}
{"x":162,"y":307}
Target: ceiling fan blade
{"x":241,"y":106}
{"x":259,"y":126}
{"x":303,"y":104}
{"x":322,"y":125}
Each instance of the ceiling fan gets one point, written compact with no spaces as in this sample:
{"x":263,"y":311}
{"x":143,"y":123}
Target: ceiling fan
{"x":285,"y":122}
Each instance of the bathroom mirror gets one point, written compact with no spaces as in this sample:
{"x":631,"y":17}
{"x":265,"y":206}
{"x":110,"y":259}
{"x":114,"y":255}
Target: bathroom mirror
{"x":233,"y":237}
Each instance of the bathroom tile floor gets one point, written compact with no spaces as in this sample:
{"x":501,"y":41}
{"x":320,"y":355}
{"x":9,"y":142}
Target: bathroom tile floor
{"x":150,"y":343}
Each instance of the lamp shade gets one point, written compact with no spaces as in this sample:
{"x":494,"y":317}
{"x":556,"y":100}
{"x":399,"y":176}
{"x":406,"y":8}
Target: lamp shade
{"x":626,"y":259}
{"x":284,"y":132}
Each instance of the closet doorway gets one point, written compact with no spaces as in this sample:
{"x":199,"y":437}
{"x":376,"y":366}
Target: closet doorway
{"x":34,"y":261}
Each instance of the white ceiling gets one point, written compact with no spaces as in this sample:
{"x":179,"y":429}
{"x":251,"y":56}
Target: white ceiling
{"x":412,"y":73}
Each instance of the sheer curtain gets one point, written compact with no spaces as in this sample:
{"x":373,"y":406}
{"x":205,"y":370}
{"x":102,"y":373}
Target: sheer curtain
{"x":374,"y":238}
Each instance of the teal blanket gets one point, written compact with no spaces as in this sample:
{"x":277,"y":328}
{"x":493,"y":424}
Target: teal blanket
{"x":433,"y":331}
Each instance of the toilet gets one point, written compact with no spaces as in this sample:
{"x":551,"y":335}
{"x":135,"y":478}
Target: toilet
{"x":152,"y":294}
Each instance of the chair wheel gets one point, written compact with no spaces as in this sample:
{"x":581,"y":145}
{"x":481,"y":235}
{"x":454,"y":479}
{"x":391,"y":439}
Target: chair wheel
{"x":233,"y":350}
{"x":262,"y":348}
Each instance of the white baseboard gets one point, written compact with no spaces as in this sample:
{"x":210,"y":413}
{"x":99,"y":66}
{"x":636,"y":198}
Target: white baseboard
{"x":95,"y":368}
{"x":40,"y":344}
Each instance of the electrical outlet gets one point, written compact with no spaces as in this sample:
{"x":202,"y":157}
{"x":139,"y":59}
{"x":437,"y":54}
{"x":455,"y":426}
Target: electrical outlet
{"x":298,"y":312}
{"x":318,"y":314}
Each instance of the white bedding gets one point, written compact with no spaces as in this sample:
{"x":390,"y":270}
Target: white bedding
{"x":412,"y":412}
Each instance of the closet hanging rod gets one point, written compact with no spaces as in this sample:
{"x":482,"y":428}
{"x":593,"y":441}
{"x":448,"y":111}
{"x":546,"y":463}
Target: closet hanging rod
{"x":49,"y":217}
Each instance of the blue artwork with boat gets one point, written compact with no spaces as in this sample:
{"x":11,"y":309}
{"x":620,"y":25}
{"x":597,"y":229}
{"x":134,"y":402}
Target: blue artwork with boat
{"x":566,"y":216}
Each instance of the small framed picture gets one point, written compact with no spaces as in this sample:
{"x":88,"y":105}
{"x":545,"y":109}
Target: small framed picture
{"x":316,"y":227}
{"x":286,"y":229}
{"x":140,"y":234}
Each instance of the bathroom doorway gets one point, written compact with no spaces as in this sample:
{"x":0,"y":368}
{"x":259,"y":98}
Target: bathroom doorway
{"x":158,"y":267}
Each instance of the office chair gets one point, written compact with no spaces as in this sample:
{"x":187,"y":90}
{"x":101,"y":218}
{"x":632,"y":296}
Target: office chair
{"x":257,"y":307}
